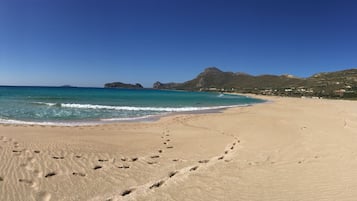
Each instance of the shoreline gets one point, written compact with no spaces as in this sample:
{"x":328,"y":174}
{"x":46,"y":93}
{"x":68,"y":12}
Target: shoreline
{"x":143,"y":119}
{"x":147,"y":118}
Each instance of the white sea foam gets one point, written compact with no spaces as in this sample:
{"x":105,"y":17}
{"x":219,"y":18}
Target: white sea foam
{"x":75,"y":123}
{"x":132,"y":108}
{"x":48,"y":104}
{"x":46,"y":123}
{"x":129,"y":118}
{"x":164,"y":110}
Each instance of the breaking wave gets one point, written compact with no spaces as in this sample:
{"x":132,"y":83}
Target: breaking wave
{"x":132,"y":108}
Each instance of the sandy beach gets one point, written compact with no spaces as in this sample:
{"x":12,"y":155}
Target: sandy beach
{"x":287,"y":149}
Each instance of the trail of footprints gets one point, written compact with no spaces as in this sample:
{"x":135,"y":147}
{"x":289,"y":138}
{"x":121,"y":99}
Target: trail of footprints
{"x":167,"y":145}
{"x":30,"y":159}
{"x":182,"y":172}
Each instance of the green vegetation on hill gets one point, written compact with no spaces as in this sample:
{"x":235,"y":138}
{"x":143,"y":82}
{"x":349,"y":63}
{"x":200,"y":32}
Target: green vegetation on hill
{"x":340,"y":84}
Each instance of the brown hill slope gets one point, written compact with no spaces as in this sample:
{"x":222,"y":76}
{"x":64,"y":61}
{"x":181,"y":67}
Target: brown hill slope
{"x":332,"y":84}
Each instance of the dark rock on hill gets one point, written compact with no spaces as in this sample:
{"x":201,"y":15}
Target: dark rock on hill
{"x":171,"y":85}
{"x":123,"y":85}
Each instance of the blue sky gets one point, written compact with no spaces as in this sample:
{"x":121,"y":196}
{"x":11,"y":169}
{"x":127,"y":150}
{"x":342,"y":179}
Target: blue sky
{"x":89,"y":43}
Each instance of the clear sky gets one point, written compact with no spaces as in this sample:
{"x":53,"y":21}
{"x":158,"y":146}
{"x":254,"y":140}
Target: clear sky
{"x":89,"y":43}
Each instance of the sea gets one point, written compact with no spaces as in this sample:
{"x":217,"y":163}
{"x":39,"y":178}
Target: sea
{"x":70,"y":106}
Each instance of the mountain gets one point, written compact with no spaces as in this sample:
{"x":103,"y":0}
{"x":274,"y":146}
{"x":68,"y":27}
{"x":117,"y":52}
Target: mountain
{"x":213,"y":77}
{"x":123,"y":85}
{"x":332,"y":84}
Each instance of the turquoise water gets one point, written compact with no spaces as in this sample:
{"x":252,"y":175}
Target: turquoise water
{"x":56,"y":105}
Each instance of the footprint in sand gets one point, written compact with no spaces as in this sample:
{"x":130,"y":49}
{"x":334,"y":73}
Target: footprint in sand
{"x":194,"y":168}
{"x":58,"y":157}
{"x":169,"y":147}
{"x":17,"y":152}
{"x":171,"y":174}
{"x":79,"y":174}
{"x":156,"y":156}
{"x":220,"y":158}
{"x":36,"y":151}
{"x":50,"y":174}
{"x":123,"y":166}
{"x":203,"y":161}
{"x":127,"y":192}
{"x":1,"y":179}
{"x":157,"y":184}
{"x":97,"y":167}
{"x":103,"y":160}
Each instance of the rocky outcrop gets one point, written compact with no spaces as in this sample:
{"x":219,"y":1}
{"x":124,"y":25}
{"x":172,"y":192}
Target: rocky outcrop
{"x":123,"y":85}
{"x":159,"y":85}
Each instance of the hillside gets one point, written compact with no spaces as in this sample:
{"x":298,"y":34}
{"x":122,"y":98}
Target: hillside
{"x":331,"y":84}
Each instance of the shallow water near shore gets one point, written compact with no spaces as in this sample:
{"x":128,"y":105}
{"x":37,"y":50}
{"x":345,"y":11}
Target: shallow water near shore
{"x":85,"y":106}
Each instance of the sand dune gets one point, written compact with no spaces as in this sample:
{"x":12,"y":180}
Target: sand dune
{"x":288,"y":149}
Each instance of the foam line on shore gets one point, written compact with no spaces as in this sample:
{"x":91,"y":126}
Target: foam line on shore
{"x":132,"y":108}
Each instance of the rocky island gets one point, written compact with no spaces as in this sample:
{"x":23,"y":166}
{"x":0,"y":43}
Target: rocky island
{"x":123,"y":85}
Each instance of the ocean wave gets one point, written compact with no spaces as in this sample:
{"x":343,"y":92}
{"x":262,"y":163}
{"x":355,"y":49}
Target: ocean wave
{"x":109,"y":120}
{"x":48,"y":104}
{"x":132,"y":108}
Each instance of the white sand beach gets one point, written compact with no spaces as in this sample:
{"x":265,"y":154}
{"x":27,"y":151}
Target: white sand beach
{"x":287,"y":149}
